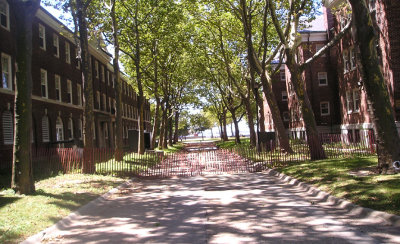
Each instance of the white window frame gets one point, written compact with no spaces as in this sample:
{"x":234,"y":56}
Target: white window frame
{"x":80,"y":128}
{"x":67,"y":52}
{"x":322,"y":76}
{"x":319,"y":47}
{"x":78,"y":62}
{"x":106,"y":131}
{"x":44,"y":83}
{"x":346,"y":61}
{"x":355,"y":99}
{"x":59,"y":129}
{"x":282,"y":75}
{"x":57,"y":81}
{"x":104,"y":96}
{"x":42,"y":31}
{"x":96,"y":68}
{"x":321,"y":108}
{"x":71,"y":128}
{"x":69,"y":91}
{"x":56,"y":44}
{"x":7,"y":14}
{"x":8,"y":128}
{"x":79,"y":93}
{"x":352,"y":59}
{"x":284,"y":96}
{"x":45,"y":129}
{"x":103,"y":79}
{"x":108,"y":77}
{"x":8,"y":72}
{"x":98,"y":100}
{"x":349,"y":102}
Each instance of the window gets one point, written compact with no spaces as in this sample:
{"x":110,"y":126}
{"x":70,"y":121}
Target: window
{"x":94,"y":130}
{"x":353,"y":60}
{"x":70,"y":129}
{"x":349,"y":102}
{"x":318,"y":47}
{"x":115,"y":107}
{"x":79,"y":93}
{"x":113,"y":80}
{"x":324,"y":107}
{"x":59,"y":130}
{"x":109,"y":104}
{"x":57,"y":81}
{"x":104,"y":102}
{"x":108,"y":77}
{"x":98,"y":99}
{"x":6,"y":74}
{"x":77,"y":59}
{"x":67,"y":53}
{"x":80,"y":126}
{"x":43,"y":81}
{"x":283,"y":75}
{"x":96,"y":68}
{"x":103,"y":79}
{"x":4,"y":15}
{"x":356,"y":100}
{"x":284,"y":96}
{"x":346,"y":62}
{"x":106,"y":131}
{"x":69,"y":91}
{"x":42,"y":37}
{"x":56,"y":46}
{"x":8,"y":128}
{"x":323,"y":78}
{"x":45,"y":129}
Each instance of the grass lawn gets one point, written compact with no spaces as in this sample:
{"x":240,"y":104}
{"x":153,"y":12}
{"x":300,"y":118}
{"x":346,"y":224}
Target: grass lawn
{"x":347,"y":178}
{"x":55,"y":198}
{"x":174,"y":148}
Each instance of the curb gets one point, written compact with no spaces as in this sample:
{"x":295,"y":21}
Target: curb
{"x":324,"y":197}
{"x":39,"y":237}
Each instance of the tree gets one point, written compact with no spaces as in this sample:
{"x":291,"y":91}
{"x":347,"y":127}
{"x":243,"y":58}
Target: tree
{"x":374,"y":84}
{"x":199,"y":123}
{"x":287,"y":27}
{"x":22,"y":173}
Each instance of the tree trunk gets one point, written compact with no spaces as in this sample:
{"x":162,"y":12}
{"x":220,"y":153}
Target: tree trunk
{"x":261,"y":116}
{"x":141,"y":97}
{"x":236,"y":124}
{"x":176,"y":127}
{"x":250,"y":120}
{"x":156,"y":124}
{"x":22,"y":172}
{"x":315,"y":146}
{"x":225,"y":133}
{"x":384,"y":121}
{"x":118,"y":96}
{"x":162,"y":129}
{"x":88,"y":166}
{"x":276,"y":116}
{"x":170,"y":125}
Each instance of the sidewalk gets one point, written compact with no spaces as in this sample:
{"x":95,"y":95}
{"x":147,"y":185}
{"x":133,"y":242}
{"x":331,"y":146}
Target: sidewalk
{"x":242,"y":208}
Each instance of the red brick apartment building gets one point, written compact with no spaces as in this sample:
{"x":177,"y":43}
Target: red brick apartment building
{"x":339,"y":101}
{"x":57,"y":88}
{"x":321,"y":87}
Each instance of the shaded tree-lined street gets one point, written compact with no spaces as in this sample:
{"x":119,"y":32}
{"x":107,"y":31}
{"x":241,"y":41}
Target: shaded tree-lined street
{"x":242,"y":208}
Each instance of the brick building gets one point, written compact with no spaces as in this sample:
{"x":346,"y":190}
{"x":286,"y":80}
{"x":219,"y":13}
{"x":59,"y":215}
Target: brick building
{"x":356,"y":114}
{"x":57,"y":92}
{"x":321,"y":87}
{"x":333,"y":82}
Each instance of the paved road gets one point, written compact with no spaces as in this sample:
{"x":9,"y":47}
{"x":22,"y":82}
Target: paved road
{"x":243,"y":208}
